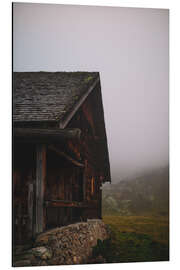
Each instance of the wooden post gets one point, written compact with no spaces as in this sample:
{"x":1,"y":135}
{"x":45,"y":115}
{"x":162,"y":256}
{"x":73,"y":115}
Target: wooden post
{"x":40,"y":186}
{"x":100,"y":201}
{"x":30,"y":209}
{"x":84,"y":182}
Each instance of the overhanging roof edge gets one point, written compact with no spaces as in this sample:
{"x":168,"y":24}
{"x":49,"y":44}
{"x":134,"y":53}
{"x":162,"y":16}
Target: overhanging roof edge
{"x":64,"y":123}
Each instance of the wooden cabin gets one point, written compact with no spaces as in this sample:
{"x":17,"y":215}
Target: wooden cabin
{"x":60,"y":153}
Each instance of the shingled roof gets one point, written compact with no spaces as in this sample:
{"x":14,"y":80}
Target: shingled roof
{"x":50,"y":96}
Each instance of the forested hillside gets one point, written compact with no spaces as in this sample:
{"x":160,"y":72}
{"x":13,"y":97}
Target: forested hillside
{"x":142,"y":195}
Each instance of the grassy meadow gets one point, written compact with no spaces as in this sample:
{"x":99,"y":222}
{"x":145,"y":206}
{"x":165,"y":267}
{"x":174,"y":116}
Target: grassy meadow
{"x":135,"y":239}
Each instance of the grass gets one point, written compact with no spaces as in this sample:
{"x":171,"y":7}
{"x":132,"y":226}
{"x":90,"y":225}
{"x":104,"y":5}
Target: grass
{"x":155,"y":226}
{"x":135,"y":239}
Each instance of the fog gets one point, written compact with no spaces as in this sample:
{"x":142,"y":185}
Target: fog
{"x":129,"y":47}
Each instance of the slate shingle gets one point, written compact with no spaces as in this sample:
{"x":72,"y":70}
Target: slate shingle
{"x":48,"y":96}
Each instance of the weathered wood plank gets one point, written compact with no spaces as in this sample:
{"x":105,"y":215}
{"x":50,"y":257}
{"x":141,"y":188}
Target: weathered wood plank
{"x":30,"y":207}
{"x":46,"y":135}
{"x":66,"y":156}
{"x":100,"y":202}
{"x":62,"y":203}
{"x":40,"y":187}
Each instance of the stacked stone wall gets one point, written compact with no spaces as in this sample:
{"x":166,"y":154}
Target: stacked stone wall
{"x":70,"y":244}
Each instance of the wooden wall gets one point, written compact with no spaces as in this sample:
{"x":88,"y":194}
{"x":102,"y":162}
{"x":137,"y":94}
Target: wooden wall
{"x":64,"y":183}
{"x":24,"y":171}
{"x":89,"y":119}
{"x":70,"y":192}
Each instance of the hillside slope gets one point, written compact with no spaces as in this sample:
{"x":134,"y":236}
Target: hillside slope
{"x":142,"y":195}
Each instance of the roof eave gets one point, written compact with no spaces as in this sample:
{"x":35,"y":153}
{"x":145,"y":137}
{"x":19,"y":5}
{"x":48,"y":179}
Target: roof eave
{"x":67,"y":119}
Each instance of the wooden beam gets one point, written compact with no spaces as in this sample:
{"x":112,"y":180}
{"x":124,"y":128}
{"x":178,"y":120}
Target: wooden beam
{"x":100,"y":202}
{"x":66,"y":156}
{"x":40,"y":186}
{"x":46,"y":135}
{"x":78,"y":104}
{"x":62,"y":203}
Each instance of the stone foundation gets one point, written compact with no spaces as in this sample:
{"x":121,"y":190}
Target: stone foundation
{"x":70,"y":244}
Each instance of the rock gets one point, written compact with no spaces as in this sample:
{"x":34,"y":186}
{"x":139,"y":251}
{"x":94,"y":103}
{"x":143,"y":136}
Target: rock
{"x":64,"y":239}
{"x":70,"y":244}
{"x":69,"y":261}
{"x":44,"y":237}
{"x":58,"y":253}
{"x":43,"y":263}
{"x":42,"y":253}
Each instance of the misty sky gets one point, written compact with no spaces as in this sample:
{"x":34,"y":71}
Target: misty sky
{"x":129,"y":47}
